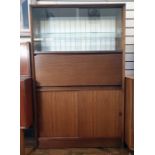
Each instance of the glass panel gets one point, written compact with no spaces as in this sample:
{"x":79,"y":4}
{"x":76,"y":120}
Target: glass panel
{"x":24,"y":20}
{"x":77,"y":29}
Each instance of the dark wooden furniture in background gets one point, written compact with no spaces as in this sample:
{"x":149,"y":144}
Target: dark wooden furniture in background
{"x":22,"y":144}
{"x":25,"y":92}
{"x":25,"y":61}
{"x":80,"y":96}
{"x":25,"y":102}
{"x":129,"y":111}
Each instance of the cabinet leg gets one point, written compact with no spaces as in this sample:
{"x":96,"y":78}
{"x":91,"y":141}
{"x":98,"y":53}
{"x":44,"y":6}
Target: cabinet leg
{"x":22,"y":148}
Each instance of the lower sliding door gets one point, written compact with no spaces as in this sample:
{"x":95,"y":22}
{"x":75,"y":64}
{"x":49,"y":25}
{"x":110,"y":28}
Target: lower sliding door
{"x":100,"y":113}
{"x":57,"y":114}
{"x":80,"y":118}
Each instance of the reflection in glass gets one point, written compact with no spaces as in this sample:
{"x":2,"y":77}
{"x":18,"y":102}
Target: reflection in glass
{"x":77,"y":29}
{"x":24,"y":20}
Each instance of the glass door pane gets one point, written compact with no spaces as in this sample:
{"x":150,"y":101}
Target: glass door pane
{"x":77,"y":29}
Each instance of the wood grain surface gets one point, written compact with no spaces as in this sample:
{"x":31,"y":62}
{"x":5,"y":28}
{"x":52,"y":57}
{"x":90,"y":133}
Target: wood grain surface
{"x":92,"y":113}
{"x":129,"y":112}
{"x":72,"y":70}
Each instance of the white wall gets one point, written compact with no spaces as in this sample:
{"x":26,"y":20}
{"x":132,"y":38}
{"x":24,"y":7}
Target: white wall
{"x":129,"y":57}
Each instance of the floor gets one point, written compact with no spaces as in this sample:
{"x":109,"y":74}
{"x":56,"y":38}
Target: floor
{"x":79,"y":151}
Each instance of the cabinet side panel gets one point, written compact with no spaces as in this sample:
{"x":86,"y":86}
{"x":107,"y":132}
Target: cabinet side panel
{"x":25,"y":102}
{"x":129,"y":108}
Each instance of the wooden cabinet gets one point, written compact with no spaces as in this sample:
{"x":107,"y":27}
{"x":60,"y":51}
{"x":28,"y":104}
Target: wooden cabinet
{"x":78,"y":69}
{"x":129,"y":111}
{"x":25,"y":92}
{"x":25,"y":102}
{"x":25,"y":86}
{"x":25,"y":61}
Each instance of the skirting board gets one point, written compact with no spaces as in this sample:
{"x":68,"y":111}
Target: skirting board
{"x":50,"y":142}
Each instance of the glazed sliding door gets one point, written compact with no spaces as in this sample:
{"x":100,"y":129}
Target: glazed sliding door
{"x":58,"y":30}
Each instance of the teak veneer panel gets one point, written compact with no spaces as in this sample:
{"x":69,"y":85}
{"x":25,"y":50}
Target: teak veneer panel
{"x":25,"y":67}
{"x":49,"y":142}
{"x":85,"y":114}
{"x":99,"y":113}
{"x":57,"y":114}
{"x":25,"y":102}
{"x":78,"y":69}
{"x":129,"y":112}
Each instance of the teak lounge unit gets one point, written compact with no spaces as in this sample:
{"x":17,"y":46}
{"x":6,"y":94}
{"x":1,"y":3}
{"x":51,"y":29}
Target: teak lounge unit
{"x":78,"y":73}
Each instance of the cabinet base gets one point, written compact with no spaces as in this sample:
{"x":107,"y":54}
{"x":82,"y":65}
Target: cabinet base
{"x":48,"y":142}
